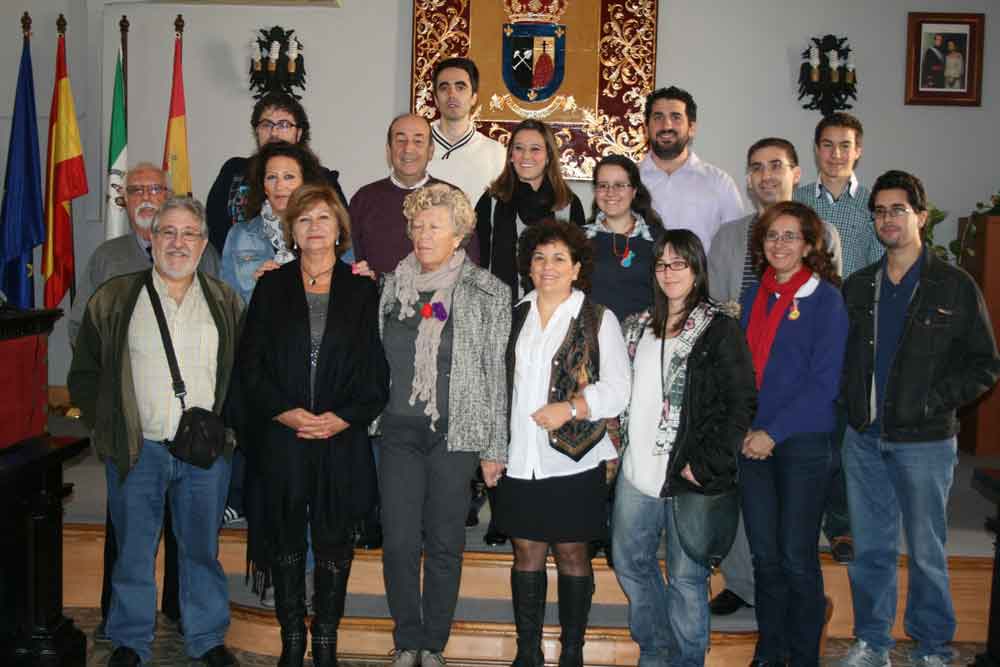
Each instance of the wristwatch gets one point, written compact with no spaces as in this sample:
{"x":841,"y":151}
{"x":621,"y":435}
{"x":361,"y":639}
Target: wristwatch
{"x":572,"y":410}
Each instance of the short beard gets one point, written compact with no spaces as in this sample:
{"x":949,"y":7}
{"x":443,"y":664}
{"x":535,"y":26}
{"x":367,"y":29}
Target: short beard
{"x":670,"y":152}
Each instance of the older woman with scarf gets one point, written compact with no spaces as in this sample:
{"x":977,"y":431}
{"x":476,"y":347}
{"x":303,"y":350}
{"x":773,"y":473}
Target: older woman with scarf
{"x":313,"y":377}
{"x":568,"y":374}
{"x":796,"y":326}
{"x":693,"y":397}
{"x":444,"y":324}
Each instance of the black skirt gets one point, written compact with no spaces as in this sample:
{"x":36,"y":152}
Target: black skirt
{"x":573,"y":508}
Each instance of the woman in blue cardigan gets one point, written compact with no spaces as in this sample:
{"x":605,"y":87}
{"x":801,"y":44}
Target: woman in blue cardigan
{"x":796,"y":328}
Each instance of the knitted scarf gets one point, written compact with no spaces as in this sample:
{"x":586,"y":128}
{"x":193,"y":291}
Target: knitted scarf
{"x":409,"y":283}
{"x":763,"y":325}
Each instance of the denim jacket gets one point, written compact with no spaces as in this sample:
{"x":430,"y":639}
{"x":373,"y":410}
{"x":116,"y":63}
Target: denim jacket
{"x":246,"y":249}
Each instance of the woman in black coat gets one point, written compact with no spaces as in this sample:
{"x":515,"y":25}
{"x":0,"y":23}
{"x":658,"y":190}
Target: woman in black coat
{"x":313,"y":376}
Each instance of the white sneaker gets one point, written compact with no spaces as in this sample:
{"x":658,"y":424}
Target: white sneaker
{"x":863,"y":655}
{"x":267,"y":599}
{"x":931,"y":661}
{"x":432,"y":659}
{"x":404,"y":658}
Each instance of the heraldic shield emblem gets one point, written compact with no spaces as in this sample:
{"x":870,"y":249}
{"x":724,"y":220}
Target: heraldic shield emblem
{"x":534,"y":59}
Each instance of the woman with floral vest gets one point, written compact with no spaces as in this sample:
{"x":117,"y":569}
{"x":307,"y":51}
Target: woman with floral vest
{"x":568,"y":374}
{"x":692,"y":400}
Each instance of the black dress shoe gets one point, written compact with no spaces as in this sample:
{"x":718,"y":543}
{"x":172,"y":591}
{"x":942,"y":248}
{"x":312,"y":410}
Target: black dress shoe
{"x":124,"y":657}
{"x":369,"y":535}
{"x":219,"y":657}
{"x":494,"y":537}
{"x":726,"y":603}
{"x":842,"y":549}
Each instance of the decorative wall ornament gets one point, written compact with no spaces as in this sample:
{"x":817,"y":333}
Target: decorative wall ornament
{"x":585,"y":67}
{"x":276,"y":63}
{"x":828,"y":75}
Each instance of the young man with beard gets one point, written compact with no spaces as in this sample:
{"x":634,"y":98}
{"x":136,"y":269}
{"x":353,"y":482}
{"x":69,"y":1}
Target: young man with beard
{"x":145,"y":191}
{"x":920,"y":346}
{"x":687,"y":192}
{"x":464,"y":157}
{"x":121,"y":380}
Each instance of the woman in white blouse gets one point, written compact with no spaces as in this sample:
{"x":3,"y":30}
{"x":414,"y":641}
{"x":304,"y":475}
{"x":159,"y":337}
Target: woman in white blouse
{"x":568,"y":373}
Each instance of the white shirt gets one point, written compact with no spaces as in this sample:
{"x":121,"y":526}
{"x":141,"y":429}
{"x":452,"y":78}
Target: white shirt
{"x":698,"y":196}
{"x":531,"y":455}
{"x":644,"y":466}
{"x":196,"y":344}
{"x":470,"y":164}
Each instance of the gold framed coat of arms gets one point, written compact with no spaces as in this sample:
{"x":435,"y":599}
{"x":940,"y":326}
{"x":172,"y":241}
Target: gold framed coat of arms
{"x":584,"y":67}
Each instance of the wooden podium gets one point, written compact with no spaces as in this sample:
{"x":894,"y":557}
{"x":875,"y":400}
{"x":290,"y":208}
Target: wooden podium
{"x":980,"y":434}
{"x":33,"y":630}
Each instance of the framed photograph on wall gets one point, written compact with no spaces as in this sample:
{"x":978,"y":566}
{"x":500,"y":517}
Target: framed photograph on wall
{"x":944,"y":59}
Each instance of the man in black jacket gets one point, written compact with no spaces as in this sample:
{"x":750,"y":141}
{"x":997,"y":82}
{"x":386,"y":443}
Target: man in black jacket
{"x":920,"y":346}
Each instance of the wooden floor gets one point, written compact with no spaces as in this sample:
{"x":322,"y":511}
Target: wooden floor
{"x":486,"y":576}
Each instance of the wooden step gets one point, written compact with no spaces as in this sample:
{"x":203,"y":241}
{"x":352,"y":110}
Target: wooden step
{"x":486,"y":577}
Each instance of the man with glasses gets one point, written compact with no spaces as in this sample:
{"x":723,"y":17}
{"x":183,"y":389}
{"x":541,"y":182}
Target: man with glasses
{"x":145,"y":191}
{"x":275,"y":117}
{"x":772,"y":174}
{"x":920,"y":346}
{"x":120,"y":379}
{"x":688,"y":193}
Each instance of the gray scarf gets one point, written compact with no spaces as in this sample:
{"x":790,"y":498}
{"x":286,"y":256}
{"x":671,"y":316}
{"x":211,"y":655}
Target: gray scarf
{"x":409,"y":283}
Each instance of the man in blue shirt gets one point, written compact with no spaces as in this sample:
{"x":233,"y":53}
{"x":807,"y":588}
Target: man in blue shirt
{"x":920,"y":346}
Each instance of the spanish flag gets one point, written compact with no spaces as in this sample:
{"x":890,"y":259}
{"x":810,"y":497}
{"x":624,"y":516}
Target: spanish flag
{"x":175,"y":150}
{"x":66,"y":179}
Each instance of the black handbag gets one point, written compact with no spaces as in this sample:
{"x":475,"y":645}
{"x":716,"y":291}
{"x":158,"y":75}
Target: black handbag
{"x":706,"y":525}
{"x":201,"y":435}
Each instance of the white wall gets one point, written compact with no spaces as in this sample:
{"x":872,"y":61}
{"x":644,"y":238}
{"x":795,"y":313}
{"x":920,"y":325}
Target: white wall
{"x":739,"y":59}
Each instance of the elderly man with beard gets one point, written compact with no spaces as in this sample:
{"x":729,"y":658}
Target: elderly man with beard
{"x":687,"y":192}
{"x":121,"y":380}
{"x":145,"y":191}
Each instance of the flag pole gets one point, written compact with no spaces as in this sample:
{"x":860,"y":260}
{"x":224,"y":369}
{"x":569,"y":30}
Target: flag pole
{"x":26,"y":26}
{"x":123,"y":25}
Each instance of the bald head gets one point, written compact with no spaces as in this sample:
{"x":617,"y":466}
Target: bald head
{"x":409,"y":148}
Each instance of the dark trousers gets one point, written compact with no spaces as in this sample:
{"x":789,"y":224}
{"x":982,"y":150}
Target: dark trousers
{"x":783,"y":500}
{"x":234,"y":498}
{"x":837,"y":522}
{"x":425,"y":498}
{"x":170,"y":603}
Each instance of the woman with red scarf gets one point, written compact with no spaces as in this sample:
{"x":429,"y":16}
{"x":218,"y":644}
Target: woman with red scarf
{"x":796,"y":327}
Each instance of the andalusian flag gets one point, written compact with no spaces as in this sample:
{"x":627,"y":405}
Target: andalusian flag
{"x":66,"y":179}
{"x":175,"y":150}
{"x":116,"y":215}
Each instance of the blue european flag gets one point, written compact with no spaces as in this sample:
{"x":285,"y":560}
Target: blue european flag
{"x":21,"y":224}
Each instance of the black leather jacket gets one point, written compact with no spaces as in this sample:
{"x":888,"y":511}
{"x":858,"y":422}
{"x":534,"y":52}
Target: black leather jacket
{"x":947,"y":356}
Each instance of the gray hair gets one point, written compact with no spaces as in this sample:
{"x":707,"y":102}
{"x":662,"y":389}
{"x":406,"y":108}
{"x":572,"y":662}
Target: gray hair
{"x":463,"y":217}
{"x":188,"y":205}
{"x":147,"y":166}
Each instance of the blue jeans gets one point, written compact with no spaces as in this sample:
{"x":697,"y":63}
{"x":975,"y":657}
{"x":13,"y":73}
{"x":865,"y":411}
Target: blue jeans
{"x":197,"y":499}
{"x":783,"y":500}
{"x":887,"y":481}
{"x":670,"y":623}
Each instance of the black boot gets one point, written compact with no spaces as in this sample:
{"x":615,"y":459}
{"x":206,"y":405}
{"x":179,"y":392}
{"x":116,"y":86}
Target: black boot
{"x":575,"y":594}
{"x":328,"y":606}
{"x":528,"y":594}
{"x":289,"y":577}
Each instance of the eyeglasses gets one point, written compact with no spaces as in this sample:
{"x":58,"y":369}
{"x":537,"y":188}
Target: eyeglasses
{"x":171,"y":234}
{"x":784,"y":237}
{"x":893,"y":213}
{"x":151,"y":190}
{"x":772,"y":167}
{"x":676,"y":265}
{"x":617,"y":188}
{"x":271,"y":126}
